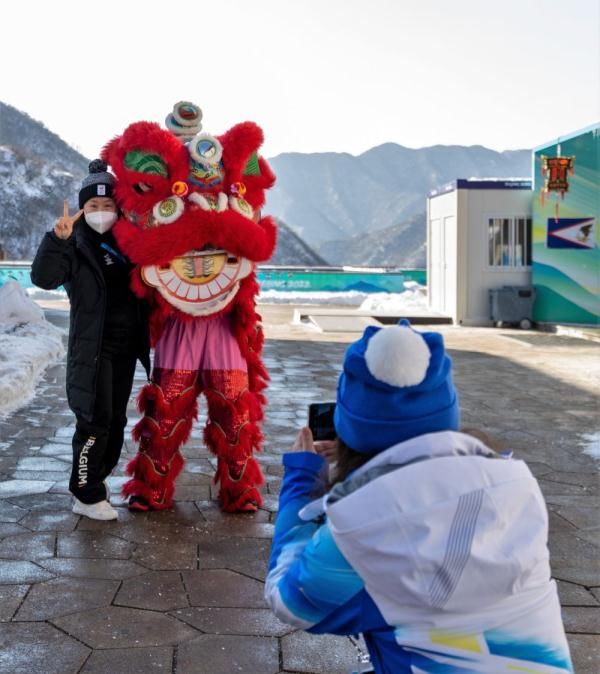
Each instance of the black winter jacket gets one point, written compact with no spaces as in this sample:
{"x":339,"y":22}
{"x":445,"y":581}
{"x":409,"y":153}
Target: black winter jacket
{"x":72,"y":263}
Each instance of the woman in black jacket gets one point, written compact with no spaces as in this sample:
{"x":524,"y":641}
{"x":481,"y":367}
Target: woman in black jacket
{"x":108,"y":333}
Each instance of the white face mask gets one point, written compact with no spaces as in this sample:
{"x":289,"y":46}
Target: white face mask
{"x":101,"y":221}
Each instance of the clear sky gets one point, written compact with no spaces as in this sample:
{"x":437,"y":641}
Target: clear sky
{"x":317,"y":75}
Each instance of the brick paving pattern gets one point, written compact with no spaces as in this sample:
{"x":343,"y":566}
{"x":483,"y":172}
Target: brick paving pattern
{"x":181,"y":591}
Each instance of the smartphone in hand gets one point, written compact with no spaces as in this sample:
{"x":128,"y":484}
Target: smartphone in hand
{"x":320,"y":421}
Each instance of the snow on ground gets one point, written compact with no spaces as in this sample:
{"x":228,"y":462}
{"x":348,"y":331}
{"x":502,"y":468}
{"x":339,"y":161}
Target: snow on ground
{"x":28,"y":344}
{"x":413,"y":299}
{"x":351,"y":297}
{"x":388,"y":302}
{"x":39,"y":294}
{"x":592,"y":444}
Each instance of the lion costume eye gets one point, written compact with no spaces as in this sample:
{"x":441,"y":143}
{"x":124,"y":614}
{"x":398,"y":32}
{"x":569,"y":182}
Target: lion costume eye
{"x":146,"y":162}
{"x":168,"y":210}
{"x":206,"y":149}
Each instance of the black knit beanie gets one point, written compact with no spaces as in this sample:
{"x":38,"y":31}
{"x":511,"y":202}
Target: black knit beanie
{"x":99,"y":182}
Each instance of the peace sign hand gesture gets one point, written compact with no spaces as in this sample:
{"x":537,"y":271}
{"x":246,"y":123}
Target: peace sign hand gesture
{"x":63,"y":227}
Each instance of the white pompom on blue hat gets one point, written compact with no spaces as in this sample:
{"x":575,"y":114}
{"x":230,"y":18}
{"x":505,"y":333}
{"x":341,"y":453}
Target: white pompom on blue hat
{"x":396,"y":384}
{"x":386,"y":356}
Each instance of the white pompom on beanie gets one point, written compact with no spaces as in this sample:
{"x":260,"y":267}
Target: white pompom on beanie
{"x":396,"y":384}
{"x":398,"y":356}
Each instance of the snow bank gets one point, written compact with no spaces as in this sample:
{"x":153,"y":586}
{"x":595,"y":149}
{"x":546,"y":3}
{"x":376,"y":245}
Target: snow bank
{"x":592,"y":444}
{"x":15,"y":306}
{"x":351,"y":297}
{"x":413,"y":299}
{"x":40,"y":294}
{"x":28,"y":344}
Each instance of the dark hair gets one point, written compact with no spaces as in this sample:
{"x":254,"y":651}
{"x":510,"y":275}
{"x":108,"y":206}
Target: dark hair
{"x":348,"y":460}
{"x":487,"y":439}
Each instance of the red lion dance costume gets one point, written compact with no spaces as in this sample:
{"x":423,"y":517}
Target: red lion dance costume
{"x":191,"y":225}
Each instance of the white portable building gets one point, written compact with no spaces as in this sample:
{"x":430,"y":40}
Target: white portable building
{"x":478,"y":238}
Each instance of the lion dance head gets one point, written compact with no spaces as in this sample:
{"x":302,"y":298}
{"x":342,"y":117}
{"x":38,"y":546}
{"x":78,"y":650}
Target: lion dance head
{"x":191,"y":205}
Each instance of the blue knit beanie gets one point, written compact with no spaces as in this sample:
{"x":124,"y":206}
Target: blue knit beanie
{"x":396,"y":384}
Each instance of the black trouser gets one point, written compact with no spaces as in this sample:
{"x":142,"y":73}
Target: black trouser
{"x":97,"y":444}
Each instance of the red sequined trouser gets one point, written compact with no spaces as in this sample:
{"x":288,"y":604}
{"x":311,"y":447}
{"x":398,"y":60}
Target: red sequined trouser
{"x":193,"y":357}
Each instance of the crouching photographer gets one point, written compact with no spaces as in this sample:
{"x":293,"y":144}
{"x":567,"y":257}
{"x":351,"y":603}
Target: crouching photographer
{"x":430,"y":543}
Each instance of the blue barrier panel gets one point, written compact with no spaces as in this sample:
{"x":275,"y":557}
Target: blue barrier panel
{"x":16,"y":271}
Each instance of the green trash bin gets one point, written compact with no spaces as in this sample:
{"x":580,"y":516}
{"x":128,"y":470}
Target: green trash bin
{"x":512,"y":304}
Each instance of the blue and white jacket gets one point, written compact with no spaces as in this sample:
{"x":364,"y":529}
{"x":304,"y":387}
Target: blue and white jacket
{"x":435,"y":550}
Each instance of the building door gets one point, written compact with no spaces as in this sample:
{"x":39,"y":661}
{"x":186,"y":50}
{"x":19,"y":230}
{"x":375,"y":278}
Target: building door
{"x":450,"y":266}
{"x":436,"y":285}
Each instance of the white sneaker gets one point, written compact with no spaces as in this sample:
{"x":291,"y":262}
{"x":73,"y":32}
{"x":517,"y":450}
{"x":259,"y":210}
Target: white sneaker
{"x":95,"y":511}
{"x":107,"y":491}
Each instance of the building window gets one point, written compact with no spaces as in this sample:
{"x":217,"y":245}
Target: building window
{"x":509,"y":242}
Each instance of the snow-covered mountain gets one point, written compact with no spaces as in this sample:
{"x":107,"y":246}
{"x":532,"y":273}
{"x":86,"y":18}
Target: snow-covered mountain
{"x":329,"y":198}
{"x":22,"y":133}
{"x":397,"y":246}
{"x":38,"y":170}
{"x":292,"y":250}
{"x":31,"y":198}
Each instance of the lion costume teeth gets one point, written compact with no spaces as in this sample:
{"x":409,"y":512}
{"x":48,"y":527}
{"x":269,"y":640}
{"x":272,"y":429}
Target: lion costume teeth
{"x":192,"y":226}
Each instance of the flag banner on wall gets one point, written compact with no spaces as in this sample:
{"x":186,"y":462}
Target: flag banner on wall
{"x":571,"y":233}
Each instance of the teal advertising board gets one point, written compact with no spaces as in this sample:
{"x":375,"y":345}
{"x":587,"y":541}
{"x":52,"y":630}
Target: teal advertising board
{"x":566,"y":217}
{"x":337,"y":280}
{"x":289,"y":279}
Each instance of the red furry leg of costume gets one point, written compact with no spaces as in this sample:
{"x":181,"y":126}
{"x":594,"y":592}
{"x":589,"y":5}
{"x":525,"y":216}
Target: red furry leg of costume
{"x":232,"y":433}
{"x":169,"y":405}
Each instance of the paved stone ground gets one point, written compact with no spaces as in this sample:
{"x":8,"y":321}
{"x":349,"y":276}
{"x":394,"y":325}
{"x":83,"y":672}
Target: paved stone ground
{"x":181,"y":591}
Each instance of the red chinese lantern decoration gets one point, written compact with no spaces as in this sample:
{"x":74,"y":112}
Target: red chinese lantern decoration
{"x":556,"y":172}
